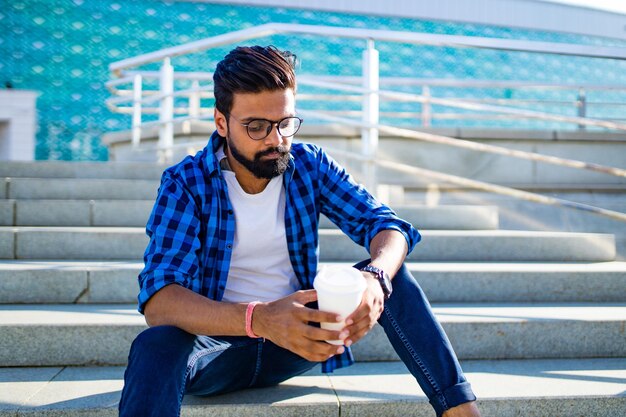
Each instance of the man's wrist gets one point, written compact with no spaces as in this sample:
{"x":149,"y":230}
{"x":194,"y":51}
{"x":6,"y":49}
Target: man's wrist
{"x":383,"y":279}
{"x":253,"y":320}
{"x":256,"y":323}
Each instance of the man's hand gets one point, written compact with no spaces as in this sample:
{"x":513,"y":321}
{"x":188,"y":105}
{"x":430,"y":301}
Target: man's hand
{"x":361,"y":321}
{"x":286,"y":323}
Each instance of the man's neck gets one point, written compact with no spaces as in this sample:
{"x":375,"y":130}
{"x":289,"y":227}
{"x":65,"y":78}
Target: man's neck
{"x":246,"y":179}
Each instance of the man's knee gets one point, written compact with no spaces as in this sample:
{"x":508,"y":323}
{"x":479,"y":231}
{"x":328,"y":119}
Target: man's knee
{"x":162,"y":340}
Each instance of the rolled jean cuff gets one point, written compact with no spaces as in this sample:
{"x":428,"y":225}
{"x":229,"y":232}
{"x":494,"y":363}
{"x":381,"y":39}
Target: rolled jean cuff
{"x":455,"y":395}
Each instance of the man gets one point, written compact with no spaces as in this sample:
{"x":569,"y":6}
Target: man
{"x":235,"y":229}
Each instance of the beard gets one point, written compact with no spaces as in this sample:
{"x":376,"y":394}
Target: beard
{"x":267,"y":169}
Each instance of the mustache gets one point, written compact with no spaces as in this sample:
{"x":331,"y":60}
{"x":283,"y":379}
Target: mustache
{"x":283,"y":150}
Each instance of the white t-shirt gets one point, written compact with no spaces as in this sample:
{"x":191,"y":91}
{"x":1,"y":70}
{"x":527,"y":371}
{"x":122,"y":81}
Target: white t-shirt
{"x":260,"y":268}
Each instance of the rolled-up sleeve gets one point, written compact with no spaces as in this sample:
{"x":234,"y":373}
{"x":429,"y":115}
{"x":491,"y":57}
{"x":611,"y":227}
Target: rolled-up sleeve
{"x":172,"y":255}
{"x":354,"y":210}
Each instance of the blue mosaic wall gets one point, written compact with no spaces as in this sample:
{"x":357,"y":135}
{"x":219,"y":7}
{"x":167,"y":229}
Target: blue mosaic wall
{"x":62,"y":48}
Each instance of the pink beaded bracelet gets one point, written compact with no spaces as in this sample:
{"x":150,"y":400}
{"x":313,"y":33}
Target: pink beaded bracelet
{"x":249,"y":311}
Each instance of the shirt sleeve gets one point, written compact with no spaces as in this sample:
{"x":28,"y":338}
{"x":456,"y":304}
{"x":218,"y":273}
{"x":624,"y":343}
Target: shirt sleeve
{"x":354,"y":210}
{"x":172,"y":255}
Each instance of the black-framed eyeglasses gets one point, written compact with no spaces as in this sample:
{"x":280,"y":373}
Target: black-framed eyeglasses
{"x":261,"y":128}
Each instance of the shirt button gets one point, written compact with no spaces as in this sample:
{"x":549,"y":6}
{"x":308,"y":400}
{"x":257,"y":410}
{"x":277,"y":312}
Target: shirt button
{"x":230,"y":212}
{"x":229,"y":246}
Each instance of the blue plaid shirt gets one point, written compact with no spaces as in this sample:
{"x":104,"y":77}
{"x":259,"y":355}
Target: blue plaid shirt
{"x":192,"y":224}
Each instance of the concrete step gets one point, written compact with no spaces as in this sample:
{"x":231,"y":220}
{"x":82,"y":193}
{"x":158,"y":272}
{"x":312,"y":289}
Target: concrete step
{"x":136,"y":213}
{"x":532,"y":388}
{"x":82,"y":169}
{"x":516,"y":214}
{"x":78,"y":189}
{"x":35,"y":281}
{"x":102,"y":334}
{"x":42,"y":281}
{"x":489,"y":245}
{"x":104,"y":243}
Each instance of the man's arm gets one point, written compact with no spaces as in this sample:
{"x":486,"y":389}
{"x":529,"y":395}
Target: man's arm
{"x":284,"y":321}
{"x":388,"y":249}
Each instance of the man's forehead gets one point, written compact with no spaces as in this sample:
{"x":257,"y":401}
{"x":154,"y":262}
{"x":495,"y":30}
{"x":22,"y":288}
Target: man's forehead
{"x":264,"y":104}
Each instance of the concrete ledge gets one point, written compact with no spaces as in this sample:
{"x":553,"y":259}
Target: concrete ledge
{"x":121,"y":213}
{"x":555,"y":388}
{"x":496,"y":245}
{"x":52,"y":213}
{"x":28,"y":281}
{"x":4,"y":188}
{"x":522,"y":282}
{"x":59,"y":285}
{"x":80,"y":243}
{"x":7,"y":212}
{"x":122,"y":243}
{"x":135,"y":213}
{"x":102,"y":334}
{"x":82,"y":189}
{"x":7,"y":243}
{"x":520,"y":331}
{"x":454,"y":217}
{"x":80,"y":169}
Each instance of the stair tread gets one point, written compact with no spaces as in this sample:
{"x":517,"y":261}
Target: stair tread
{"x":459,"y":267}
{"x":442,"y":233}
{"x":124,"y":314}
{"x":510,"y":385}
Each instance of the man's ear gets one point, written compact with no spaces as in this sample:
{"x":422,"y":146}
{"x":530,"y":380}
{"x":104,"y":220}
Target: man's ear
{"x":220,"y":123}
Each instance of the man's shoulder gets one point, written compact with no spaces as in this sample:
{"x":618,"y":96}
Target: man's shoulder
{"x":306,"y":152}
{"x":191,"y":171}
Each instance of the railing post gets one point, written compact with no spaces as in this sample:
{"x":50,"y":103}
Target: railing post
{"x":194,"y":99}
{"x":369,"y":136}
{"x":193,"y":106}
{"x":582,"y":106}
{"x":137,"y":95}
{"x":166,"y":112}
{"x":427,"y":110}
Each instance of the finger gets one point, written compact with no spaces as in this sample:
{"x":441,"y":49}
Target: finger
{"x":305,"y":296}
{"x":319,"y":351}
{"x":319,"y":334}
{"x":317,"y":316}
{"x":359,"y":326}
{"x":359,"y":314}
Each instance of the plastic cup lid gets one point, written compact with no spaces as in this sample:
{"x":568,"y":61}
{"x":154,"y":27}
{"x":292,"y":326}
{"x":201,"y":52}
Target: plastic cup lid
{"x":339,"y":279}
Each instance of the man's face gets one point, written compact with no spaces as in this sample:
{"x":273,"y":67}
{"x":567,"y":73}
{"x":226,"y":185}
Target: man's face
{"x":268,"y":157}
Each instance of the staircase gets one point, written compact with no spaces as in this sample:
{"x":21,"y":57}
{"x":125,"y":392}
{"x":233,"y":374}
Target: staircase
{"x":538,"y":319}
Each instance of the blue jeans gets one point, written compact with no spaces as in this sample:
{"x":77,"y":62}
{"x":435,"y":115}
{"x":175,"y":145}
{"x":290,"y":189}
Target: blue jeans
{"x":165,"y":362}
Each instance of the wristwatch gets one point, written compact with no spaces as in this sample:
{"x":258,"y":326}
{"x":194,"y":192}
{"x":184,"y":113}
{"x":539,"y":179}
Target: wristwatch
{"x":383,"y":279}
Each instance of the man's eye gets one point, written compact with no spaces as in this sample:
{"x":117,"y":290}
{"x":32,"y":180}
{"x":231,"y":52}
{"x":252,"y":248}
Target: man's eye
{"x":256,"y":126}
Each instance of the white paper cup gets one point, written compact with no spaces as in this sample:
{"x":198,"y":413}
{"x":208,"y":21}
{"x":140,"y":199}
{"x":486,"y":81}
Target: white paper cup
{"x":339,"y":290}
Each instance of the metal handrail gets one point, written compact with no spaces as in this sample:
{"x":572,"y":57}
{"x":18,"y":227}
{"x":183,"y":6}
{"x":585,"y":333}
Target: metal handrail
{"x":371,"y":94}
{"x":481,"y":185}
{"x":420,"y":98}
{"x":590,"y":51}
{"x":482,"y":147}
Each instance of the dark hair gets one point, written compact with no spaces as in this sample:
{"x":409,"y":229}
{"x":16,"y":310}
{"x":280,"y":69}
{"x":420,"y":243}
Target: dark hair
{"x":252,"y":70}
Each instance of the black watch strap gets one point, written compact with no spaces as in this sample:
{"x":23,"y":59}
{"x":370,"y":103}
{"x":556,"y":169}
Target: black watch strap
{"x":383,"y":279}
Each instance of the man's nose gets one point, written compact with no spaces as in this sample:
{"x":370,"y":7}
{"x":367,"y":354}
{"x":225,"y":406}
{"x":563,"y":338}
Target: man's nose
{"x":274,"y":138}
